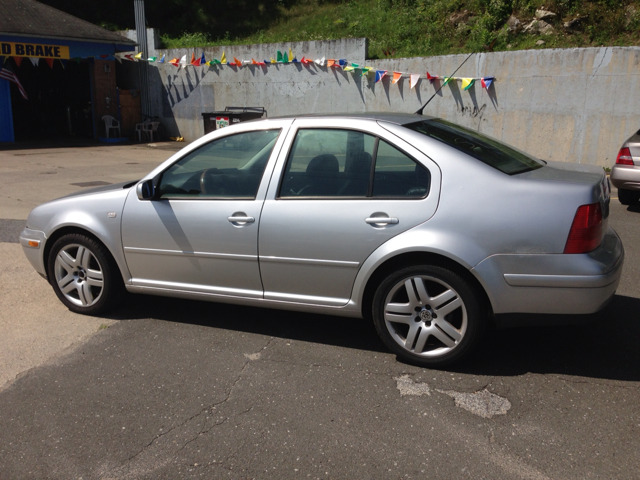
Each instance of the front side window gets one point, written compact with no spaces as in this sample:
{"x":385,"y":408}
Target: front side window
{"x":346,"y":163}
{"x":229,"y":167}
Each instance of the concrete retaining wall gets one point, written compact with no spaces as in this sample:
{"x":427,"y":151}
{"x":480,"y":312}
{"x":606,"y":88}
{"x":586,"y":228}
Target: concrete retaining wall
{"x":575,"y":105}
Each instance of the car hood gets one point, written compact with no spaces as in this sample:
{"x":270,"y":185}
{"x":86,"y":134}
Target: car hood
{"x":103,"y":188}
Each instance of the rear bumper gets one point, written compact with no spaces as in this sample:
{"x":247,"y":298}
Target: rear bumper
{"x":626,"y":176}
{"x":553,"y":284}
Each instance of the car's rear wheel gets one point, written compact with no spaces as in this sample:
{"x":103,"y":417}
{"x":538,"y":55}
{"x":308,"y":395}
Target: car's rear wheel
{"x":428,"y":315}
{"x":84,"y":275}
{"x":628,"y":197}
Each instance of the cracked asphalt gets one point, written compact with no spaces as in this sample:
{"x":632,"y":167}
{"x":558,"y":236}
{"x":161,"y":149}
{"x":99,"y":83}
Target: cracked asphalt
{"x":166,"y":389}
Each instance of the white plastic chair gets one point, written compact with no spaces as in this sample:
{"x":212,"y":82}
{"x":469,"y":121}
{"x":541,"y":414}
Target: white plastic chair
{"x":149,"y":128}
{"x":140,"y":128}
{"x":111,"y":123}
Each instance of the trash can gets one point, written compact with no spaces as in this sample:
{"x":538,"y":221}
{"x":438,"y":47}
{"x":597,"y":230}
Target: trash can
{"x":230,"y":115}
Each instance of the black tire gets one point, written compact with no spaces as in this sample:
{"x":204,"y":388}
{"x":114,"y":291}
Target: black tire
{"x":628,"y":197}
{"x":419,"y":334}
{"x":84,"y":275}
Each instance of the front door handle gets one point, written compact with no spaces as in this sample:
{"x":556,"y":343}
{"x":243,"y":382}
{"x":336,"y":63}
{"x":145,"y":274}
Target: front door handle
{"x":381,"y":220}
{"x":241,"y":219}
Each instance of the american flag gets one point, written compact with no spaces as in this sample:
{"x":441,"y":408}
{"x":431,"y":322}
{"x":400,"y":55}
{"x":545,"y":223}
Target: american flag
{"x":8,"y":74}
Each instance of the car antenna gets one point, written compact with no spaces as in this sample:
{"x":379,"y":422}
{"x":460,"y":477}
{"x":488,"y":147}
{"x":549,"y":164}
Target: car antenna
{"x":419,"y":111}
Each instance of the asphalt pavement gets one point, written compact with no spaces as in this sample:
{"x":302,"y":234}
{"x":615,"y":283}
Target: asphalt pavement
{"x":167,"y":388}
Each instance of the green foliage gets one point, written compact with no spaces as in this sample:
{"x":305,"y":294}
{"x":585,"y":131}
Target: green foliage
{"x":395,"y":28}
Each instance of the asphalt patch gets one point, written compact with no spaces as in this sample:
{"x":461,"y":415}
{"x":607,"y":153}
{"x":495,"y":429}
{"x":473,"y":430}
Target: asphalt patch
{"x":10,"y":230}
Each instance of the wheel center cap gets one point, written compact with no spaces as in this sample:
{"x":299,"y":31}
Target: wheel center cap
{"x":425,"y":316}
{"x":81,"y":274}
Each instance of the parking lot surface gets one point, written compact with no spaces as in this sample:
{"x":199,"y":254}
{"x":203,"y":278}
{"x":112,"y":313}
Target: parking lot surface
{"x":166,"y":388}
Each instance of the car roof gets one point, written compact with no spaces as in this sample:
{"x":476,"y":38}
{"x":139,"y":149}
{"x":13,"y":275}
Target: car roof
{"x":391,"y":117}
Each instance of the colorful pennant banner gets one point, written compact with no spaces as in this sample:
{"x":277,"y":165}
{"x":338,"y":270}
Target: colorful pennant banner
{"x":285,"y":58}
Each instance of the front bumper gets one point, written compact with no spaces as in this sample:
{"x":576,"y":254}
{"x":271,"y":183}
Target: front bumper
{"x":553,"y":283}
{"x":626,"y":177}
{"x":34,"y":253}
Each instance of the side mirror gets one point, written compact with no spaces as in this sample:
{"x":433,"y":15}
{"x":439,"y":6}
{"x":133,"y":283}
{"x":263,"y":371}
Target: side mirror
{"x":145,"y":190}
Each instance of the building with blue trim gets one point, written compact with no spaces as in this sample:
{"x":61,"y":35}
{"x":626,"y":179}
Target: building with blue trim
{"x":66,"y":67}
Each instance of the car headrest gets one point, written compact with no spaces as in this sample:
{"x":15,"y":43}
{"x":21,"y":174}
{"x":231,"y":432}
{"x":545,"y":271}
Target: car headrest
{"x":324,"y":165}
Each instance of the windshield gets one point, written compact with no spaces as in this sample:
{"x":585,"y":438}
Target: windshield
{"x":488,"y":150}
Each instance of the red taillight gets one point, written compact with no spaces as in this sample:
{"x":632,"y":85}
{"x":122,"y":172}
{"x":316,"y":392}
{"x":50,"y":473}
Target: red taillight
{"x":586,"y":230}
{"x":624,"y":157}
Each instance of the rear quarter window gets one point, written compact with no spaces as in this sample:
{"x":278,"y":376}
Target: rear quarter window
{"x":488,"y":150}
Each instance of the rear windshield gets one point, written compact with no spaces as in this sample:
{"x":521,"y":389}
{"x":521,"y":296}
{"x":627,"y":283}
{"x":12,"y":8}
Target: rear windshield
{"x":486,"y":149}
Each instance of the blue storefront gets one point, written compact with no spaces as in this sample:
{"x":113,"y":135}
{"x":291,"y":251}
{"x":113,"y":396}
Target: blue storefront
{"x":69,"y":82}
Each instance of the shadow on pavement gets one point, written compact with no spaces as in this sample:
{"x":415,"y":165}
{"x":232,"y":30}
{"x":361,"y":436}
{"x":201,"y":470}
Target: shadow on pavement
{"x":606,"y":348}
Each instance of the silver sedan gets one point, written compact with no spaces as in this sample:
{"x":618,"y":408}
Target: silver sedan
{"x":625,"y":174}
{"x":429,"y":229}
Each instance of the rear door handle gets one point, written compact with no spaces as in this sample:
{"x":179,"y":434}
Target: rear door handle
{"x":381,"y":220}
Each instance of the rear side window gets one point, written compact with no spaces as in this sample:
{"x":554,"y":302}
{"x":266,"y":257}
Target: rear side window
{"x":397,"y":175}
{"x":342,"y":163}
{"x":488,"y":150}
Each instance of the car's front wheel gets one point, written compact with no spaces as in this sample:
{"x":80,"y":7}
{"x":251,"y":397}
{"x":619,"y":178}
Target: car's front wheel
{"x":428,"y":315}
{"x":84,"y":275}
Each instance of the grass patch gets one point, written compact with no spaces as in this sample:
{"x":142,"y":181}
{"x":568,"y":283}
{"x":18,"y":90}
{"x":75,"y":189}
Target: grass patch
{"x":408,"y":28}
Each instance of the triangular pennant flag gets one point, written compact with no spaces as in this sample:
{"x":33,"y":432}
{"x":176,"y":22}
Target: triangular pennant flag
{"x":486,"y":82}
{"x":103,"y":56}
{"x":306,"y":61}
{"x":467,"y":83}
{"x":330,"y":62}
{"x":18,"y":60}
{"x":119,"y":59}
{"x":431,"y":78}
{"x":196,"y":63}
{"x":152,"y":59}
{"x":295,"y":60}
{"x":446,"y":80}
{"x":174,"y":61}
{"x":413,"y":80}
{"x":380,"y":75}
{"x":162,"y":59}
{"x":237,"y":63}
{"x":138,"y":56}
{"x":279,"y":56}
{"x":223,"y":59}
{"x":290,"y":55}
{"x":253,"y":62}
{"x":183,"y":61}
{"x":203,"y":61}
{"x":34,"y":61}
{"x":320,"y":62}
{"x":355,"y":65}
{"x":193,"y":58}
{"x":365,"y":71}
{"x":64,"y":63}
{"x":348,"y":69}
{"x":50,"y":62}
{"x":396,"y":76}
{"x":246,"y":62}
{"x":128,"y":57}
{"x":342,"y":62}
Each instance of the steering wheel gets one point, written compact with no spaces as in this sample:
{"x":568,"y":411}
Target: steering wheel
{"x":214,"y":183}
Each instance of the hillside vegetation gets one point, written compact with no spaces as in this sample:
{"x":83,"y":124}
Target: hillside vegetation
{"x":405,"y":28}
